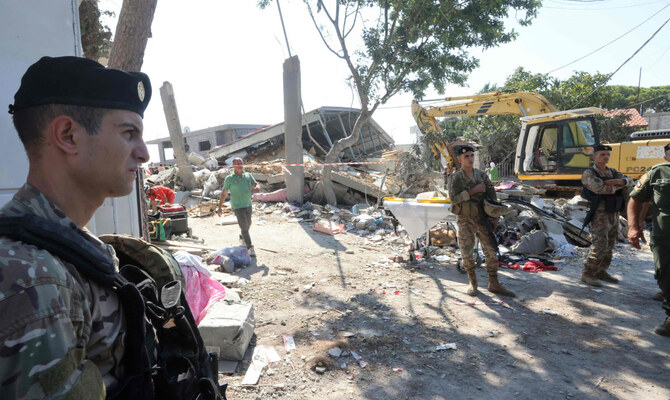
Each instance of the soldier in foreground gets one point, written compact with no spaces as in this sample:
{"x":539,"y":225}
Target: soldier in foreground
{"x":468,"y":189}
{"x":654,"y":186}
{"x":604,"y":189}
{"x":63,"y":335}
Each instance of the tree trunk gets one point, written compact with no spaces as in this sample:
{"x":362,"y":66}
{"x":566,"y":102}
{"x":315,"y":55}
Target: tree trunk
{"x":336,"y":149}
{"x":132,"y":33}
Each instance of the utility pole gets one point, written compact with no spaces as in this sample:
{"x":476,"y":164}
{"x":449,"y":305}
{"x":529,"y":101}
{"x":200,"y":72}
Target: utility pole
{"x":295,"y":182}
{"x":637,"y":98}
{"x":185,"y":172}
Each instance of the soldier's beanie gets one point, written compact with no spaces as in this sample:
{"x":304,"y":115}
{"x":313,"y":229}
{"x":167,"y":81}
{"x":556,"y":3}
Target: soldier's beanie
{"x":462,"y":149}
{"x":81,"y":82}
{"x":667,"y":147}
{"x":601,"y":147}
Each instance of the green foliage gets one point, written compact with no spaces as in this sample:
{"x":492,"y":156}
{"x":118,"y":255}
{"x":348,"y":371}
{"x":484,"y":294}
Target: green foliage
{"x":95,"y":37}
{"x":499,"y":134}
{"x":411,"y":45}
{"x":612,"y":130}
{"x":653,"y":99}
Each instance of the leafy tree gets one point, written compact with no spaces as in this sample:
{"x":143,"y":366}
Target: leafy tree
{"x":653,"y":99}
{"x":408,"y":46}
{"x":95,"y":37}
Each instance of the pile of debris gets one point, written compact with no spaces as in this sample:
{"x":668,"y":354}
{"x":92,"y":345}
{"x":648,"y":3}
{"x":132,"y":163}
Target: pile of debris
{"x":353,"y":183}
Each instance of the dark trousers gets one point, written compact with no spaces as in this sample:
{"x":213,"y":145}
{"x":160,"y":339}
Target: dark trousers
{"x":662,"y":271}
{"x":244,"y":221}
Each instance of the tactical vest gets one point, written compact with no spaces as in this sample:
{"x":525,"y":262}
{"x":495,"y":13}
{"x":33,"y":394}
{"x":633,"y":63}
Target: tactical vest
{"x":615,"y":202}
{"x":164,"y":355}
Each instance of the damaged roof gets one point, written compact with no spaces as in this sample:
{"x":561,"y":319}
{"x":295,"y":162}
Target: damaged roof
{"x":324,"y":126}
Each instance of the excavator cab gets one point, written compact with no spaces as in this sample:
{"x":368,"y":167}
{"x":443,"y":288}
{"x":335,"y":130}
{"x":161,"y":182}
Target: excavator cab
{"x":556,"y":147}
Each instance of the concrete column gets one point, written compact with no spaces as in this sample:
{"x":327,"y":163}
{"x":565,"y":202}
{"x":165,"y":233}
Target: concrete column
{"x":174,"y":127}
{"x":295,"y":183}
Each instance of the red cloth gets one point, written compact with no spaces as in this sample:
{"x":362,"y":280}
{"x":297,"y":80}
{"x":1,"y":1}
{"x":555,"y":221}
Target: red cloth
{"x":162,"y":195}
{"x":533,"y":266}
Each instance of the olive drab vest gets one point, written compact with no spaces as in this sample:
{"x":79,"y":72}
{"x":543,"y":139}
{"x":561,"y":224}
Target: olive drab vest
{"x":459,"y":183}
{"x":654,"y":186}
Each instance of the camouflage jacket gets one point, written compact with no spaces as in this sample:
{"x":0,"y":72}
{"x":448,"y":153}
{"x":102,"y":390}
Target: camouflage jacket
{"x":61,"y":335}
{"x":654,"y":186}
{"x":594,"y":180}
{"x":462,"y":203}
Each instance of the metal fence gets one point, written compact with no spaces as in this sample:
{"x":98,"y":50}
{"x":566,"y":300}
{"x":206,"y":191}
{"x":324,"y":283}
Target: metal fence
{"x":505,"y":169}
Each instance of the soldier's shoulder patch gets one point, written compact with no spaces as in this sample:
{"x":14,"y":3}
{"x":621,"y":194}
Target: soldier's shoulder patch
{"x":643,"y":180}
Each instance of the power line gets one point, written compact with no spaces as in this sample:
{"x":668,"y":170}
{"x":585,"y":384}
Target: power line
{"x":610,"y":42}
{"x":572,"y":8}
{"x":620,"y":66}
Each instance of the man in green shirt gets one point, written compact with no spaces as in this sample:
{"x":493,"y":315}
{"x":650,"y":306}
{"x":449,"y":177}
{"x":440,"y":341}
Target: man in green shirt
{"x":240,"y":184}
{"x":654,"y":186}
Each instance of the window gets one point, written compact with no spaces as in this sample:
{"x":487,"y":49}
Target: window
{"x":203,"y":146}
{"x":575,"y":137}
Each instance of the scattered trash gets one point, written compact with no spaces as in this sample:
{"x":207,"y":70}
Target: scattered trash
{"x":446,"y":346}
{"x":549,"y":312}
{"x":328,"y":227}
{"x":289,"y":343}
{"x":239,"y":255}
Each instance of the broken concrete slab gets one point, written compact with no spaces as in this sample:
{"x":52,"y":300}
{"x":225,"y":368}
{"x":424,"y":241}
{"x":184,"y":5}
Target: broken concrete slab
{"x":344,"y":179}
{"x":275,"y":179}
{"x":228,"y":328}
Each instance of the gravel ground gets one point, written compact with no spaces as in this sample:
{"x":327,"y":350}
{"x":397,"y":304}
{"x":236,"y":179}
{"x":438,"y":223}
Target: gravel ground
{"x":418,"y":335}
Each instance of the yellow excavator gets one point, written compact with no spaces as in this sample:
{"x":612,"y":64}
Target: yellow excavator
{"x":553,"y":148}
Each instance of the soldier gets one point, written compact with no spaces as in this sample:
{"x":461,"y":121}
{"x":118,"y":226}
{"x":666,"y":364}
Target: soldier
{"x":468,"y":188}
{"x":603,"y":187}
{"x":654,"y":186}
{"x":61,"y":334}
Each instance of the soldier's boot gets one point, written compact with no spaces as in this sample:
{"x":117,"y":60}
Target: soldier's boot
{"x":663,"y":330}
{"x":496,"y":287}
{"x":590,"y":280}
{"x":472,"y":289}
{"x":604,"y":276}
{"x":658,"y":296}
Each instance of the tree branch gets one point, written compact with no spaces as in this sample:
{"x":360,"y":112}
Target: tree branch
{"x":316,"y":25}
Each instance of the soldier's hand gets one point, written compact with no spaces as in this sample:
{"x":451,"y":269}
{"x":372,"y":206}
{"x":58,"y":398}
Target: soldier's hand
{"x":634,"y":236}
{"x":479,"y":188}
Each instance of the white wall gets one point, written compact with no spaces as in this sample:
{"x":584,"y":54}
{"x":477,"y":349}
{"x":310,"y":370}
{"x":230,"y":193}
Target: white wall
{"x":30,"y":29}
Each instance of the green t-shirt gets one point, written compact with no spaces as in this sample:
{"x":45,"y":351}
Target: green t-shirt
{"x":240,"y":189}
{"x":654,"y":186}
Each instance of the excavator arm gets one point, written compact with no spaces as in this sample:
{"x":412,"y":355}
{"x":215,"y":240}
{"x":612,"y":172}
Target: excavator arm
{"x":494,"y":103}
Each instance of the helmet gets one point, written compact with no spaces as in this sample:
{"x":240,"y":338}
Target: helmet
{"x":147,"y":189}
{"x":494,"y":209}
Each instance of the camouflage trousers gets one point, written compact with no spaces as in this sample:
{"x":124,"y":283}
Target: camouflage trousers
{"x":467,"y":229}
{"x":604,"y":231}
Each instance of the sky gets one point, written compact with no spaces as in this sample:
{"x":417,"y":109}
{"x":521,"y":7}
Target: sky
{"x":224,"y":58}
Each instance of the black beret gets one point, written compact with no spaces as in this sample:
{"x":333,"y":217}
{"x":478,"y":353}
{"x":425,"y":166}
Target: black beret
{"x":666,"y":147}
{"x":81,"y":82}
{"x":462,"y":149}
{"x":601,"y":147}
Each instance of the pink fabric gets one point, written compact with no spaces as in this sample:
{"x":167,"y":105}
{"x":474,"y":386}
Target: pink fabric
{"x":277,"y":195}
{"x":201,"y":292}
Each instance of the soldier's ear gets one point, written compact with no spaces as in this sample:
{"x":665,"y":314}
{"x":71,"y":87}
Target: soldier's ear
{"x":64,"y":134}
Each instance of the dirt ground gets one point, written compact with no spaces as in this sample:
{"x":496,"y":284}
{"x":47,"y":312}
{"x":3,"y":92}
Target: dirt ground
{"x":558,"y":339}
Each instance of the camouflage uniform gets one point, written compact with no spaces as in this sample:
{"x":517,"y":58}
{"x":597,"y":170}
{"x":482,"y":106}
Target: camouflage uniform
{"x":654,"y":186}
{"x":61,"y":334}
{"x":470,"y":218}
{"x":604,"y":227}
